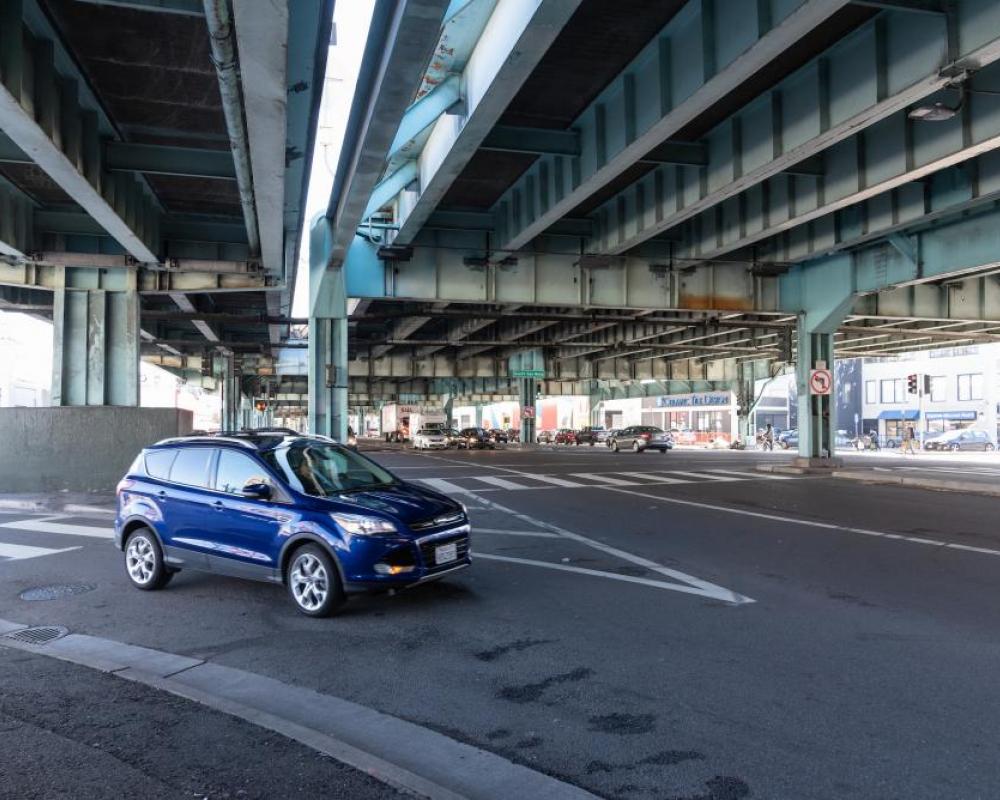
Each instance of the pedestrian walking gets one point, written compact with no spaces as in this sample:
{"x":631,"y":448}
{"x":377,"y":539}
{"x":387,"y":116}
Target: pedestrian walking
{"x":909,"y":437}
{"x":873,"y":438}
{"x":769,"y":437}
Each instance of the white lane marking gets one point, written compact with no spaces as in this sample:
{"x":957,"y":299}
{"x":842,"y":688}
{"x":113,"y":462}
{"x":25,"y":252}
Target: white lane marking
{"x":552,"y":479}
{"x":602,"y":478}
{"x":750,"y":476}
{"x":649,"y":476}
{"x":539,"y":534}
{"x":652,"y":566}
{"x":17,"y":552}
{"x":718,"y":593}
{"x":703,"y":475}
{"x":47,"y":525}
{"x":809,"y":523}
{"x":441,"y":485}
{"x":503,"y":483}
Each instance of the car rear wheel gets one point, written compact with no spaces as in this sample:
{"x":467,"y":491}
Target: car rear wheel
{"x":144,"y":561}
{"x":313,"y":582}
{"x":614,"y":445}
{"x":636,"y":448}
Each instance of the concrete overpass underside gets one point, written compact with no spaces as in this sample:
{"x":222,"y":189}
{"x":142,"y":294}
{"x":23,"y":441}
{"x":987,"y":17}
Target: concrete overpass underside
{"x":689,"y":193}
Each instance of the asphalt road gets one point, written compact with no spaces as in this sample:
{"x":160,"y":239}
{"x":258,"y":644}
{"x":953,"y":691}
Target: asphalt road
{"x":646,"y":626}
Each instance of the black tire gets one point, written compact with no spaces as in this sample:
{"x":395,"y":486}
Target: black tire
{"x":636,"y":448}
{"x":614,"y":445}
{"x":144,"y":561}
{"x":306,"y":593}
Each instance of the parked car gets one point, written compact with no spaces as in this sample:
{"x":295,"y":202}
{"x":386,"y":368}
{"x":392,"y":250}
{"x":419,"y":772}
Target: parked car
{"x":960,"y":440}
{"x":589,"y":436}
{"x":611,"y":435}
{"x":499,"y":435}
{"x":469,"y":438}
{"x":545,"y":437}
{"x":639,"y":438}
{"x":565,"y":436}
{"x":430,"y":439}
{"x":452,"y":435}
{"x":301,"y":511}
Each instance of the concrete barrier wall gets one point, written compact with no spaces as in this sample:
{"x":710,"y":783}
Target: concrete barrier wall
{"x":79,"y":448}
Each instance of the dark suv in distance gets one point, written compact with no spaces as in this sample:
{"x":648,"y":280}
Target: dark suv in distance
{"x":475,"y":437}
{"x":590,"y":436}
{"x":302,"y":511}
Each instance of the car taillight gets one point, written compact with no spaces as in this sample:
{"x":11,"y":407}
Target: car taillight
{"x":124,"y":485}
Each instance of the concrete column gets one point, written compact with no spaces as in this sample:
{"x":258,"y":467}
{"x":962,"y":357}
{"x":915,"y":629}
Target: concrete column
{"x":328,"y":377}
{"x":225,"y":376}
{"x":95,"y":357}
{"x":817,"y":413}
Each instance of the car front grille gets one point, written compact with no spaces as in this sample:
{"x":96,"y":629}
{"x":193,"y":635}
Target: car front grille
{"x":441,"y":521}
{"x":427,"y":550}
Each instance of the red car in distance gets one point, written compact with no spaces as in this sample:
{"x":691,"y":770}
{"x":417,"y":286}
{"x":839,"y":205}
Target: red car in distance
{"x":565,"y":436}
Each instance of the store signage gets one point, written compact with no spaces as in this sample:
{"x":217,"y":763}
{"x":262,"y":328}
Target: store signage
{"x":528,"y":373}
{"x":956,"y":415}
{"x":691,"y":400}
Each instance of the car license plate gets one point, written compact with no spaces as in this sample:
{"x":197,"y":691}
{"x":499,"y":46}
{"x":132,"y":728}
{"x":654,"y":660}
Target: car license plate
{"x":446,"y":553}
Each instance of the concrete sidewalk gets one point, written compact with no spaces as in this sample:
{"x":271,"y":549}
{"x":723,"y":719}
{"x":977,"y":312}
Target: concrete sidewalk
{"x":60,"y":503}
{"x":967,"y":483}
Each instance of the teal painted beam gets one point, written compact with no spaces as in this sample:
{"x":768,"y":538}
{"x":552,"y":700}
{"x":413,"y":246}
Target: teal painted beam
{"x":188,"y":8}
{"x":390,"y":186}
{"x":536,"y":141}
{"x":424,"y":113}
{"x":154,"y":159}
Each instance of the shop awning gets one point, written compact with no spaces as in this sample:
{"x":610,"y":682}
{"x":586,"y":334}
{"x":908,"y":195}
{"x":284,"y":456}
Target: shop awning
{"x":909,"y":414}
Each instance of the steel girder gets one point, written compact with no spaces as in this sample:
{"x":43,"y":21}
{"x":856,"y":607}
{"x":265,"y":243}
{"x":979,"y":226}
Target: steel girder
{"x":891,"y":62}
{"x":117,"y":277}
{"x":690,"y":66}
{"x":509,"y":47}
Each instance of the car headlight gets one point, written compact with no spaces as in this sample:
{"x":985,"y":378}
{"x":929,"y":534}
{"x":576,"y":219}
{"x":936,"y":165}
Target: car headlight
{"x":358,"y":525}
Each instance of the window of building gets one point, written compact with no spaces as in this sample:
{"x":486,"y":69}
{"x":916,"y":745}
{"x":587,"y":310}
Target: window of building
{"x":871,"y":392}
{"x":970,"y":386}
{"x":938,"y":388}
{"x":892,"y":390}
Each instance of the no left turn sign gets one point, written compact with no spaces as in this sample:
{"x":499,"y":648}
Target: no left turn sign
{"x":820,"y":381}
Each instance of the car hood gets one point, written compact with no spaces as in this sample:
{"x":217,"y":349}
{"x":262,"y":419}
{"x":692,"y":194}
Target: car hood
{"x":403,"y":501}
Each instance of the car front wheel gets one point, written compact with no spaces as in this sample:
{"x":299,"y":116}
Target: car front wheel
{"x":313,"y":582}
{"x":635,"y":447}
{"x":144,"y":561}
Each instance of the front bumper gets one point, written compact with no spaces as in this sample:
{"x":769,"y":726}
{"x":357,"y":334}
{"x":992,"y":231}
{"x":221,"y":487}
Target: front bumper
{"x":365,"y":567}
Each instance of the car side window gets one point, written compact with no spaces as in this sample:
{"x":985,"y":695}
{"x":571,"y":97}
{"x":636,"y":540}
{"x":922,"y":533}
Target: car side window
{"x":236,"y":470}
{"x":158,"y":463}
{"x":191,"y":466}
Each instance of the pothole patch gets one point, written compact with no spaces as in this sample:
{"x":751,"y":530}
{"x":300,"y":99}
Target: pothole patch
{"x":38,"y":636}
{"x":56,"y":591}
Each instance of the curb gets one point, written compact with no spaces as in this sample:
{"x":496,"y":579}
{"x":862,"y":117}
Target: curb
{"x":49,"y":507}
{"x":935,"y":484}
{"x":401,"y":754}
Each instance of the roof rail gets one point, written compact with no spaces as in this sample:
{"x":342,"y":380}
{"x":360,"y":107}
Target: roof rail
{"x":209,"y":438}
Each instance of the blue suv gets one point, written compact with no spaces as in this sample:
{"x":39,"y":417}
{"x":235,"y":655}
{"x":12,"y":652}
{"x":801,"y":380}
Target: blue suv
{"x":299,"y":510}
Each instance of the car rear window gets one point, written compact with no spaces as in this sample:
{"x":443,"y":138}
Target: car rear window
{"x":191,"y":466}
{"x":158,"y":463}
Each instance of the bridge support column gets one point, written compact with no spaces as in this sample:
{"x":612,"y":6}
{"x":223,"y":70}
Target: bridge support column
{"x":328,"y":377}
{"x":528,"y":396}
{"x":817,"y":413}
{"x":95,"y":358}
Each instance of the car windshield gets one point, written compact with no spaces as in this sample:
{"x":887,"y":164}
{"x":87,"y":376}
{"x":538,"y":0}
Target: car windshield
{"x":321,"y":470}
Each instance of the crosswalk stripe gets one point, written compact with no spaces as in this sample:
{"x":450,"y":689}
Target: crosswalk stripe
{"x":601,"y":478}
{"x":503,"y":483}
{"x":703,"y":475}
{"x":443,"y":486}
{"x":753,"y":475}
{"x":45,"y":526}
{"x":553,"y":480}
{"x":648,"y":476}
{"x":16,"y":552}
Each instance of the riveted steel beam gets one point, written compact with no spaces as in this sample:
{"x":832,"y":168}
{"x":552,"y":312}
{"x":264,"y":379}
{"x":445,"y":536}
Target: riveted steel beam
{"x":535,"y":141}
{"x":154,"y":159}
{"x":856,"y":91}
{"x":511,"y":45}
{"x":683,"y":72}
{"x":116,"y":277}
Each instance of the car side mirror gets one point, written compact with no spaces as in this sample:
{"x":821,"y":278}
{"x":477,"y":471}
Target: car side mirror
{"x":257,"y":491}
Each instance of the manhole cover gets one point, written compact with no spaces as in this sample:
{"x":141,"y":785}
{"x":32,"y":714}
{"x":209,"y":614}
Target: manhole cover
{"x":55,"y":592}
{"x":42,"y":635}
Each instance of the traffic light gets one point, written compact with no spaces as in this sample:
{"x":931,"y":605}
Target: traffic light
{"x":927,"y":385}
{"x":911,"y":384}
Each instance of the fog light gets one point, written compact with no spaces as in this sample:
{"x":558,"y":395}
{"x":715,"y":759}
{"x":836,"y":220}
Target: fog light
{"x":392,"y":569}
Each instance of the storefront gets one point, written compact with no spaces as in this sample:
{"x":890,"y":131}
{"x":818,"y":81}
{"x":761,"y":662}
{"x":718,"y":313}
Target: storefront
{"x":699,"y":418}
{"x":892,"y":424}
{"x":941,"y":421}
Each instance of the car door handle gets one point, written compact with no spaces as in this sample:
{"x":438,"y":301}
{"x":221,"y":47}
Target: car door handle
{"x":161,"y":494}
{"x":217,"y":505}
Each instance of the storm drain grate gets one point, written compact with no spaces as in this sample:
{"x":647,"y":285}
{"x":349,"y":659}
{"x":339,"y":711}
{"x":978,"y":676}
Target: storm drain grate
{"x":56,"y":591}
{"x":38,"y":636}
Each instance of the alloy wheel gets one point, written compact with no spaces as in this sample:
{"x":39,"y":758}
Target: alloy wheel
{"x":309,"y":581}
{"x":140,"y":560}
